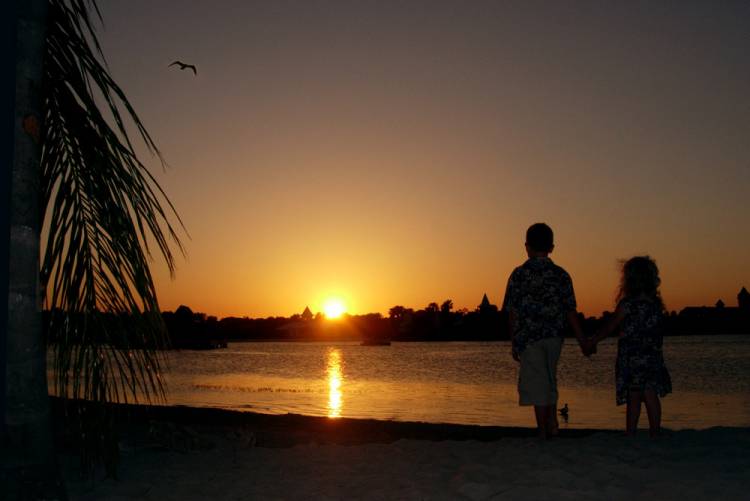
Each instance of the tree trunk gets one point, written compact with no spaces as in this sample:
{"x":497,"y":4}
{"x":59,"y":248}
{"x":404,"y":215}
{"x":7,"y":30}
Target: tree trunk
{"x":8,"y":95}
{"x":27,"y":414}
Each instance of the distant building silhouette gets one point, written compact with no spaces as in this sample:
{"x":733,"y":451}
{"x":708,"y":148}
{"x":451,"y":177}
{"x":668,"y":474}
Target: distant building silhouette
{"x":307,"y":314}
{"x":743,"y":299}
{"x":720,"y":319}
{"x":485,"y":306}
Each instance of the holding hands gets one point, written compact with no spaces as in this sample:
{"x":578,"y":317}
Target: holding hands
{"x":588,"y":346}
{"x":514,"y":351}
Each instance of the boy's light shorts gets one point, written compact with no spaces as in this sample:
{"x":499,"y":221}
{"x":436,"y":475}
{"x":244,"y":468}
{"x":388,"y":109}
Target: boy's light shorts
{"x":537,"y":378}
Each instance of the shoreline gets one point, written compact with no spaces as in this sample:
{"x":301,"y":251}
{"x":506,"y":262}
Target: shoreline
{"x":288,"y":430}
{"x":137,"y":421}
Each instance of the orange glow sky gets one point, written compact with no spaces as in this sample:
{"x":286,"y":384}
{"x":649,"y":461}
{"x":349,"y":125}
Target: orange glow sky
{"x":395,"y":152}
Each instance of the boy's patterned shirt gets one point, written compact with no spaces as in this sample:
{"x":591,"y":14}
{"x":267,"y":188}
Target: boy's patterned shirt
{"x":540,"y":293}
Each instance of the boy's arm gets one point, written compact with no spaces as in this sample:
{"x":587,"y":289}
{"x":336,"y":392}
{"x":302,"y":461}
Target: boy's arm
{"x":575,"y":324}
{"x":569,"y":300}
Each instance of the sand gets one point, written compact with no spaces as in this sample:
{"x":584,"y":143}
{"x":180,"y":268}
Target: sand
{"x":223,"y":456}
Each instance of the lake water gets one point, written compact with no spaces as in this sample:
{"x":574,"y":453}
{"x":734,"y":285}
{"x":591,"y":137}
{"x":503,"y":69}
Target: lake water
{"x":461,"y":382}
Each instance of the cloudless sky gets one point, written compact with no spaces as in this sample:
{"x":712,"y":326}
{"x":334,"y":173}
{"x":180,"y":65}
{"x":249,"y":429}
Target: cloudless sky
{"x":395,"y":152}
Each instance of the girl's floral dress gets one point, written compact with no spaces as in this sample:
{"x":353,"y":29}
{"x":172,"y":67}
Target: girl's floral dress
{"x":640,"y":361}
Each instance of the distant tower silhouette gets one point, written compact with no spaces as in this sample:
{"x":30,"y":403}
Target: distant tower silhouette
{"x":743,"y":299}
{"x":485,"y":306}
{"x":307,"y":314}
{"x":719,"y":303}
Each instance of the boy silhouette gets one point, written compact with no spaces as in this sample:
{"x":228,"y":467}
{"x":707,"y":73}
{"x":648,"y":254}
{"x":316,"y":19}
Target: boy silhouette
{"x":540,"y":303}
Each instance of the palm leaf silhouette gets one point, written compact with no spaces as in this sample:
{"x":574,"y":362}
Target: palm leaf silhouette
{"x":104,"y":216}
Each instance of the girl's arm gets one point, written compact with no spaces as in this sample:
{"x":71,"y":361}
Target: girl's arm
{"x":611,"y":325}
{"x":575,"y":324}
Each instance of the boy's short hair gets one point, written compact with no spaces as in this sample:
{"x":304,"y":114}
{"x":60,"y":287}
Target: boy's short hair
{"x":539,"y":237}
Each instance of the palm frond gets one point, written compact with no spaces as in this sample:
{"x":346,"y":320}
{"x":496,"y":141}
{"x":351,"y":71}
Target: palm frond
{"x":105,"y":212}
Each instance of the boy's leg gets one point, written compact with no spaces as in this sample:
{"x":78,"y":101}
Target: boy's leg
{"x":531,"y":383}
{"x":546,"y":420}
{"x":541,"y":412}
{"x":553,"y":427}
{"x":553,"y":357}
{"x":653,"y":409}
{"x":537,"y":383}
{"x":633,"y":411}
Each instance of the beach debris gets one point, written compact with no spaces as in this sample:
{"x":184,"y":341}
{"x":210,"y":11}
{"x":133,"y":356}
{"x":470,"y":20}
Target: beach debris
{"x":244,"y":438}
{"x":175,"y":437}
{"x":241,"y":439}
{"x":185,"y":66}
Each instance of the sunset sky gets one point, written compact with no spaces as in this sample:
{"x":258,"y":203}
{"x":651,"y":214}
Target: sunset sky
{"x":395,"y":152}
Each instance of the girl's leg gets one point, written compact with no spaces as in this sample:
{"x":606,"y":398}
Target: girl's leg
{"x":653,"y":409}
{"x":633,"y":412}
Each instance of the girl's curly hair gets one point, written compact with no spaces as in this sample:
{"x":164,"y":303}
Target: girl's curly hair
{"x":640,"y":276}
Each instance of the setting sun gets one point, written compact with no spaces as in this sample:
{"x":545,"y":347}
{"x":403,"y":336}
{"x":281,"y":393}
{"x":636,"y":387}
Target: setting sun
{"x":334,"y":308}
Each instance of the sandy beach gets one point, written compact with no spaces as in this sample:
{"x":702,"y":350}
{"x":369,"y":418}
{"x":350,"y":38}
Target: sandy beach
{"x":185,"y":454}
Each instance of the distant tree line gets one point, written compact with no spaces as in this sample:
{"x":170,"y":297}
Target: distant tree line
{"x":435,"y":322}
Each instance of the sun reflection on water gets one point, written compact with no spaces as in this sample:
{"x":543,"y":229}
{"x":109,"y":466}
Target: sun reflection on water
{"x":334,"y":383}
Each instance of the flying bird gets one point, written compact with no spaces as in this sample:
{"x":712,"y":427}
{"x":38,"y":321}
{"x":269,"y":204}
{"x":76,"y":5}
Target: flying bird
{"x":183,"y":66}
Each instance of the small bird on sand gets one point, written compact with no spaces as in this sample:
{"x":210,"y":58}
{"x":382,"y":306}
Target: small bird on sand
{"x":184,"y":65}
{"x":564,"y":412}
